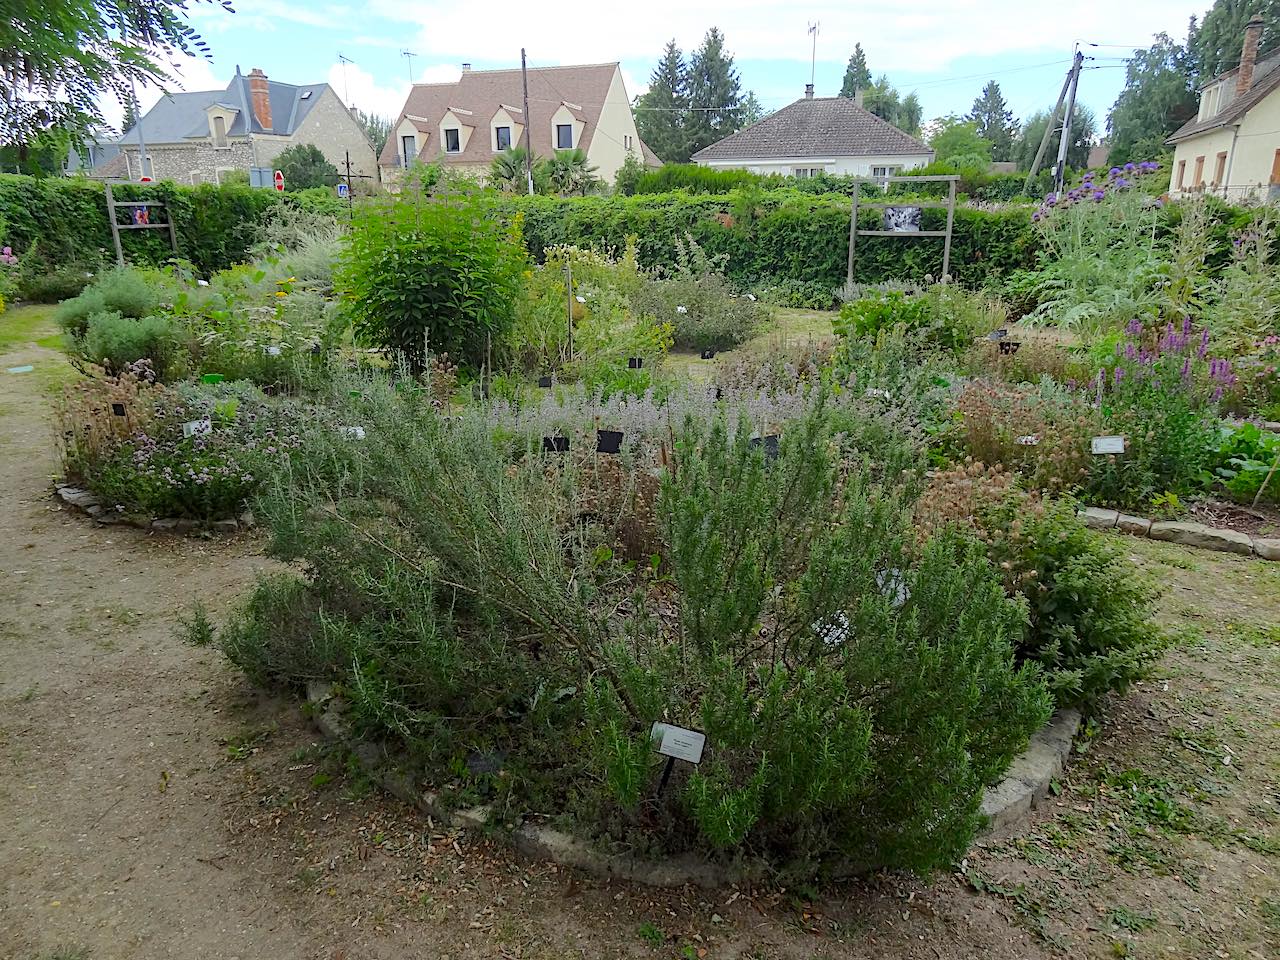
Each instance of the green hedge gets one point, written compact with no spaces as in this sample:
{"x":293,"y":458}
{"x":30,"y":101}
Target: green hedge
{"x":781,"y":234}
{"x":67,"y":218}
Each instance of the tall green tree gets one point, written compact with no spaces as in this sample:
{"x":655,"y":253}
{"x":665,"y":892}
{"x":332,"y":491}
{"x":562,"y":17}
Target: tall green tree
{"x":662,"y":111}
{"x":376,"y":128}
{"x":910,"y":115}
{"x":956,"y":137}
{"x":59,"y":57}
{"x":1214,"y":46}
{"x":993,"y":121}
{"x":1084,"y":129}
{"x":1157,"y":99}
{"x":752,"y":110}
{"x":132,"y":114}
{"x":304,"y":166}
{"x":881,"y":98}
{"x":715,"y":94}
{"x":857,"y":76}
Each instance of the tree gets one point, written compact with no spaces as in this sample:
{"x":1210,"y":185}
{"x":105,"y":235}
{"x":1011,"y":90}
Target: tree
{"x":1215,"y":45}
{"x":910,"y":115}
{"x":715,"y":94}
{"x":955,"y":138}
{"x":568,"y":172}
{"x":507,"y":171}
{"x":1157,"y":99}
{"x":752,"y":110}
{"x":661,"y":112}
{"x":1083,"y":131}
{"x":993,"y":121}
{"x":856,"y":75}
{"x":628,"y":175}
{"x":304,"y":166}
{"x":882,"y":99}
{"x":376,"y":128}
{"x":131,"y":115}
{"x":59,"y":57}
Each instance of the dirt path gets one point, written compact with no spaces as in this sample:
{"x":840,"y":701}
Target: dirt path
{"x":152,"y":805}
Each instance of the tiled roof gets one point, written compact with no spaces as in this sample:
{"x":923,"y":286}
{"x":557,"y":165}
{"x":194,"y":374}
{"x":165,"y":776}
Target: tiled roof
{"x":1266,"y":78}
{"x":817,"y":127}
{"x":484,"y":92}
{"x":178,"y":117}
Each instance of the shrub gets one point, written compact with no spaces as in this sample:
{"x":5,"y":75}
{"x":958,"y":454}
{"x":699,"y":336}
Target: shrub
{"x":1244,"y":463}
{"x":420,"y":276}
{"x":125,"y":291}
{"x":116,"y":342}
{"x":801,"y":294}
{"x":941,"y":315}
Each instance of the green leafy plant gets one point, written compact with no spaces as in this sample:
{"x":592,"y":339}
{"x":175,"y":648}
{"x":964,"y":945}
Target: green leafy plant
{"x":1245,"y":463}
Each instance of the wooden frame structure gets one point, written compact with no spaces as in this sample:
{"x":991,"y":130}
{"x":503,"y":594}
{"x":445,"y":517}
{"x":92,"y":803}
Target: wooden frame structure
{"x":113,"y":204}
{"x":949,"y":205}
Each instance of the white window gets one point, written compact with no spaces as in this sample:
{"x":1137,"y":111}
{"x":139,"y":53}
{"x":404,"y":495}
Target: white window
{"x":564,"y":136}
{"x":408,"y":149}
{"x":219,"y":132}
{"x":452,"y":140}
{"x":502,"y":138}
{"x":889,"y":171}
{"x":220,"y":172}
{"x":197,"y":178}
{"x":804,"y":173}
{"x":626,"y":140}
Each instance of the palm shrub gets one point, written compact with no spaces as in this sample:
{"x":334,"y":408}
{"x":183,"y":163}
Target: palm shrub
{"x":423,"y":276}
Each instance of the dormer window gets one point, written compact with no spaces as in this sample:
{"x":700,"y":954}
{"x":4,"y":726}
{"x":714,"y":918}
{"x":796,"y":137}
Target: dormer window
{"x":502,"y":138}
{"x":452,"y":140}
{"x":219,"y":131}
{"x":564,"y":136}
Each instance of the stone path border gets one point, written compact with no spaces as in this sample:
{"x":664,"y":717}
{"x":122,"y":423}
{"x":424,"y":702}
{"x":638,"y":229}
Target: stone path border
{"x":1187,"y":534}
{"x":88,"y":503}
{"x":1007,"y":804}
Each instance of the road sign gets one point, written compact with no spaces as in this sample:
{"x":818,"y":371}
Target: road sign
{"x":279,"y":178}
{"x":343,"y":190}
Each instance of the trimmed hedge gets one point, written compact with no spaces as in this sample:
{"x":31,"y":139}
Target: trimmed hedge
{"x":67,"y":218}
{"x":781,"y":234}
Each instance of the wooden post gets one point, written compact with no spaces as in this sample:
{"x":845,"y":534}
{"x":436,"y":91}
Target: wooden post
{"x":951,"y":217}
{"x":115,"y":227}
{"x":853,"y":231}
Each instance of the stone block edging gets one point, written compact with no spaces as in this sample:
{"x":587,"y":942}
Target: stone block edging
{"x":88,"y":503}
{"x":1006,"y":805}
{"x":1183,"y":532}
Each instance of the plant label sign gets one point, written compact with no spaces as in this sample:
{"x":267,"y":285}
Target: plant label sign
{"x":356,"y":433}
{"x":273,"y":351}
{"x":678,"y":743}
{"x":1008,"y":347}
{"x":197,"y":428}
{"x":1028,"y":441}
{"x":23,"y":369}
{"x":1101,"y":445}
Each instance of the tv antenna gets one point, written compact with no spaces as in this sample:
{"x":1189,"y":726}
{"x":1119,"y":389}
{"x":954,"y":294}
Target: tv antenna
{"x":409,"y":55}
{"x":346,"y":93}
{"x":813,"y":59}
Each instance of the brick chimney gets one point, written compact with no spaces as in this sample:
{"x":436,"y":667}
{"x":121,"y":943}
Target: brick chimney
{"x":260,"y":94}
{"x":1249,"y":55}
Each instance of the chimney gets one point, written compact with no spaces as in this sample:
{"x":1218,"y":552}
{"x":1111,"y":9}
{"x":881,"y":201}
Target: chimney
{"x":808,"y":91}
{"x":857,"y":96}
{"x":466,"y":67}
{"x":260,"y":94}
{"x":1249,"y":55}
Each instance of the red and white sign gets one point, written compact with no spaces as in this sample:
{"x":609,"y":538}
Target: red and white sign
{"x":144,"y":179}
{"x":279,"y":178}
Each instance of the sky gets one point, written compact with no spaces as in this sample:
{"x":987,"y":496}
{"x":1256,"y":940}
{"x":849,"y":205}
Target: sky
{"x":945,"y":50}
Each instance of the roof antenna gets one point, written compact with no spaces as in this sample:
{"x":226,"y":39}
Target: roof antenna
{"x":813,"y":59}
{"x":409,"y":55}
{"x":346,"y":94}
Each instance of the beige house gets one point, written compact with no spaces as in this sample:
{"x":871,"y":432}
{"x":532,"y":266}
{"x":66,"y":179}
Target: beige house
{"x":1232,"y":146}
{"x":199,"y":137}
{"x":467,"y":123}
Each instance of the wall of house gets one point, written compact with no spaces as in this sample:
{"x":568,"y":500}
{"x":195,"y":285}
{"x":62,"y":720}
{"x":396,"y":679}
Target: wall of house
{"x":850,"y":166}
{"x":615,"y":135}
{"x":195,"y":162}
{"x":1251,"y":151}
{"x":331,"y":127}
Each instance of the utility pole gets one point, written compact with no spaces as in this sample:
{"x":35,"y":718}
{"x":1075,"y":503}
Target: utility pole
{"x":528,"y":148}
{"x":1048,"y":131}
{"x":409,"y":55}
{"x":1060,"y":171}
{"x":351,"y":210}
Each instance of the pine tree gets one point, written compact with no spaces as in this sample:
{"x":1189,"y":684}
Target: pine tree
{"x":131,"y":115}
{"x":994,"y":121}
{"x":752,"y":110}
{"x":857,"y":76}
{"x":715,"y":94}
{"x":662,"y":112}
{"x":882,"y":100}
{"x":910,"y":114}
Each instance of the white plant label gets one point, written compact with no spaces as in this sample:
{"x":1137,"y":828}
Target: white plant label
{"x":24,"y":369}
{"x":678,"y":742}
{"x":273,"y":351}
{"x":682,"y":309}
{"x":1029,"y":441}
{"x":356,"y":433}
{"x":880,"y":394}
{"x":1107,"y":444}
{"x":581,"y":299}
{"x":197,"y":428}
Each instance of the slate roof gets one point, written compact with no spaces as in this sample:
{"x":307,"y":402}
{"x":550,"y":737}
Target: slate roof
{"x":482,"y":92}
{"x":1266,"y":79}
{"x":178,"y":117}
{"x":817,"y":127}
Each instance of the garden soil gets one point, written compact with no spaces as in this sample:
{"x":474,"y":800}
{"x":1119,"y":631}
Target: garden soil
{"x":153,"y":805}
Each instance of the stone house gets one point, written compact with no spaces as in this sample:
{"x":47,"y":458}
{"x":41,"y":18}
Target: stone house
{"x":198,"y":137}
{"x":467,"y":123}
{"x":817,"y":135}
{"x":1232,"y":146}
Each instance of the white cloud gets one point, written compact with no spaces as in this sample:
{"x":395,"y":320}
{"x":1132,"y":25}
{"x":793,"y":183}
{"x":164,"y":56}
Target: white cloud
{"x":358,"y":88}
{"x":188,"y":73}
{"x":440,"y":73}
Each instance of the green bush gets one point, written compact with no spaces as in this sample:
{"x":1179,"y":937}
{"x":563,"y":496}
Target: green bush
{"x":942,"y":316}
{"x":116,"y":342}
{"x":418,"y":275}
{"x":125,"y":291}
{"x":1245,"y":460}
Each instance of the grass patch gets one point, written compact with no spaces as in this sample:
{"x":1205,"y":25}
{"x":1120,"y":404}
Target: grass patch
{"x":34,"y":324}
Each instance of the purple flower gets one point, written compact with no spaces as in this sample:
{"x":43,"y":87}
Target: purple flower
{"x":1119,"y":375}
{"x":1129,"y":166}
{"x":1134,"y":327}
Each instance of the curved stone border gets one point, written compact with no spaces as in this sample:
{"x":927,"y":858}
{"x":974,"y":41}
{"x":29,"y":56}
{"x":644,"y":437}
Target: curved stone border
{"x":1187,"y":534}
{"x":88,"y":503}
{"x":1007,"y":804}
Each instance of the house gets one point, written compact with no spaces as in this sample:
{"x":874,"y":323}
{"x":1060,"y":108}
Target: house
{"x":1232,"y":146}
{"x":467,"y":123}
{"x":818,"y":135}
{"x":199,"y":137}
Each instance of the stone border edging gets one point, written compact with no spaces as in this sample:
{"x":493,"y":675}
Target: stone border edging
{"x":88,"y":503}
{"x":1185,"y":533}
{"x":1007,"y":804}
